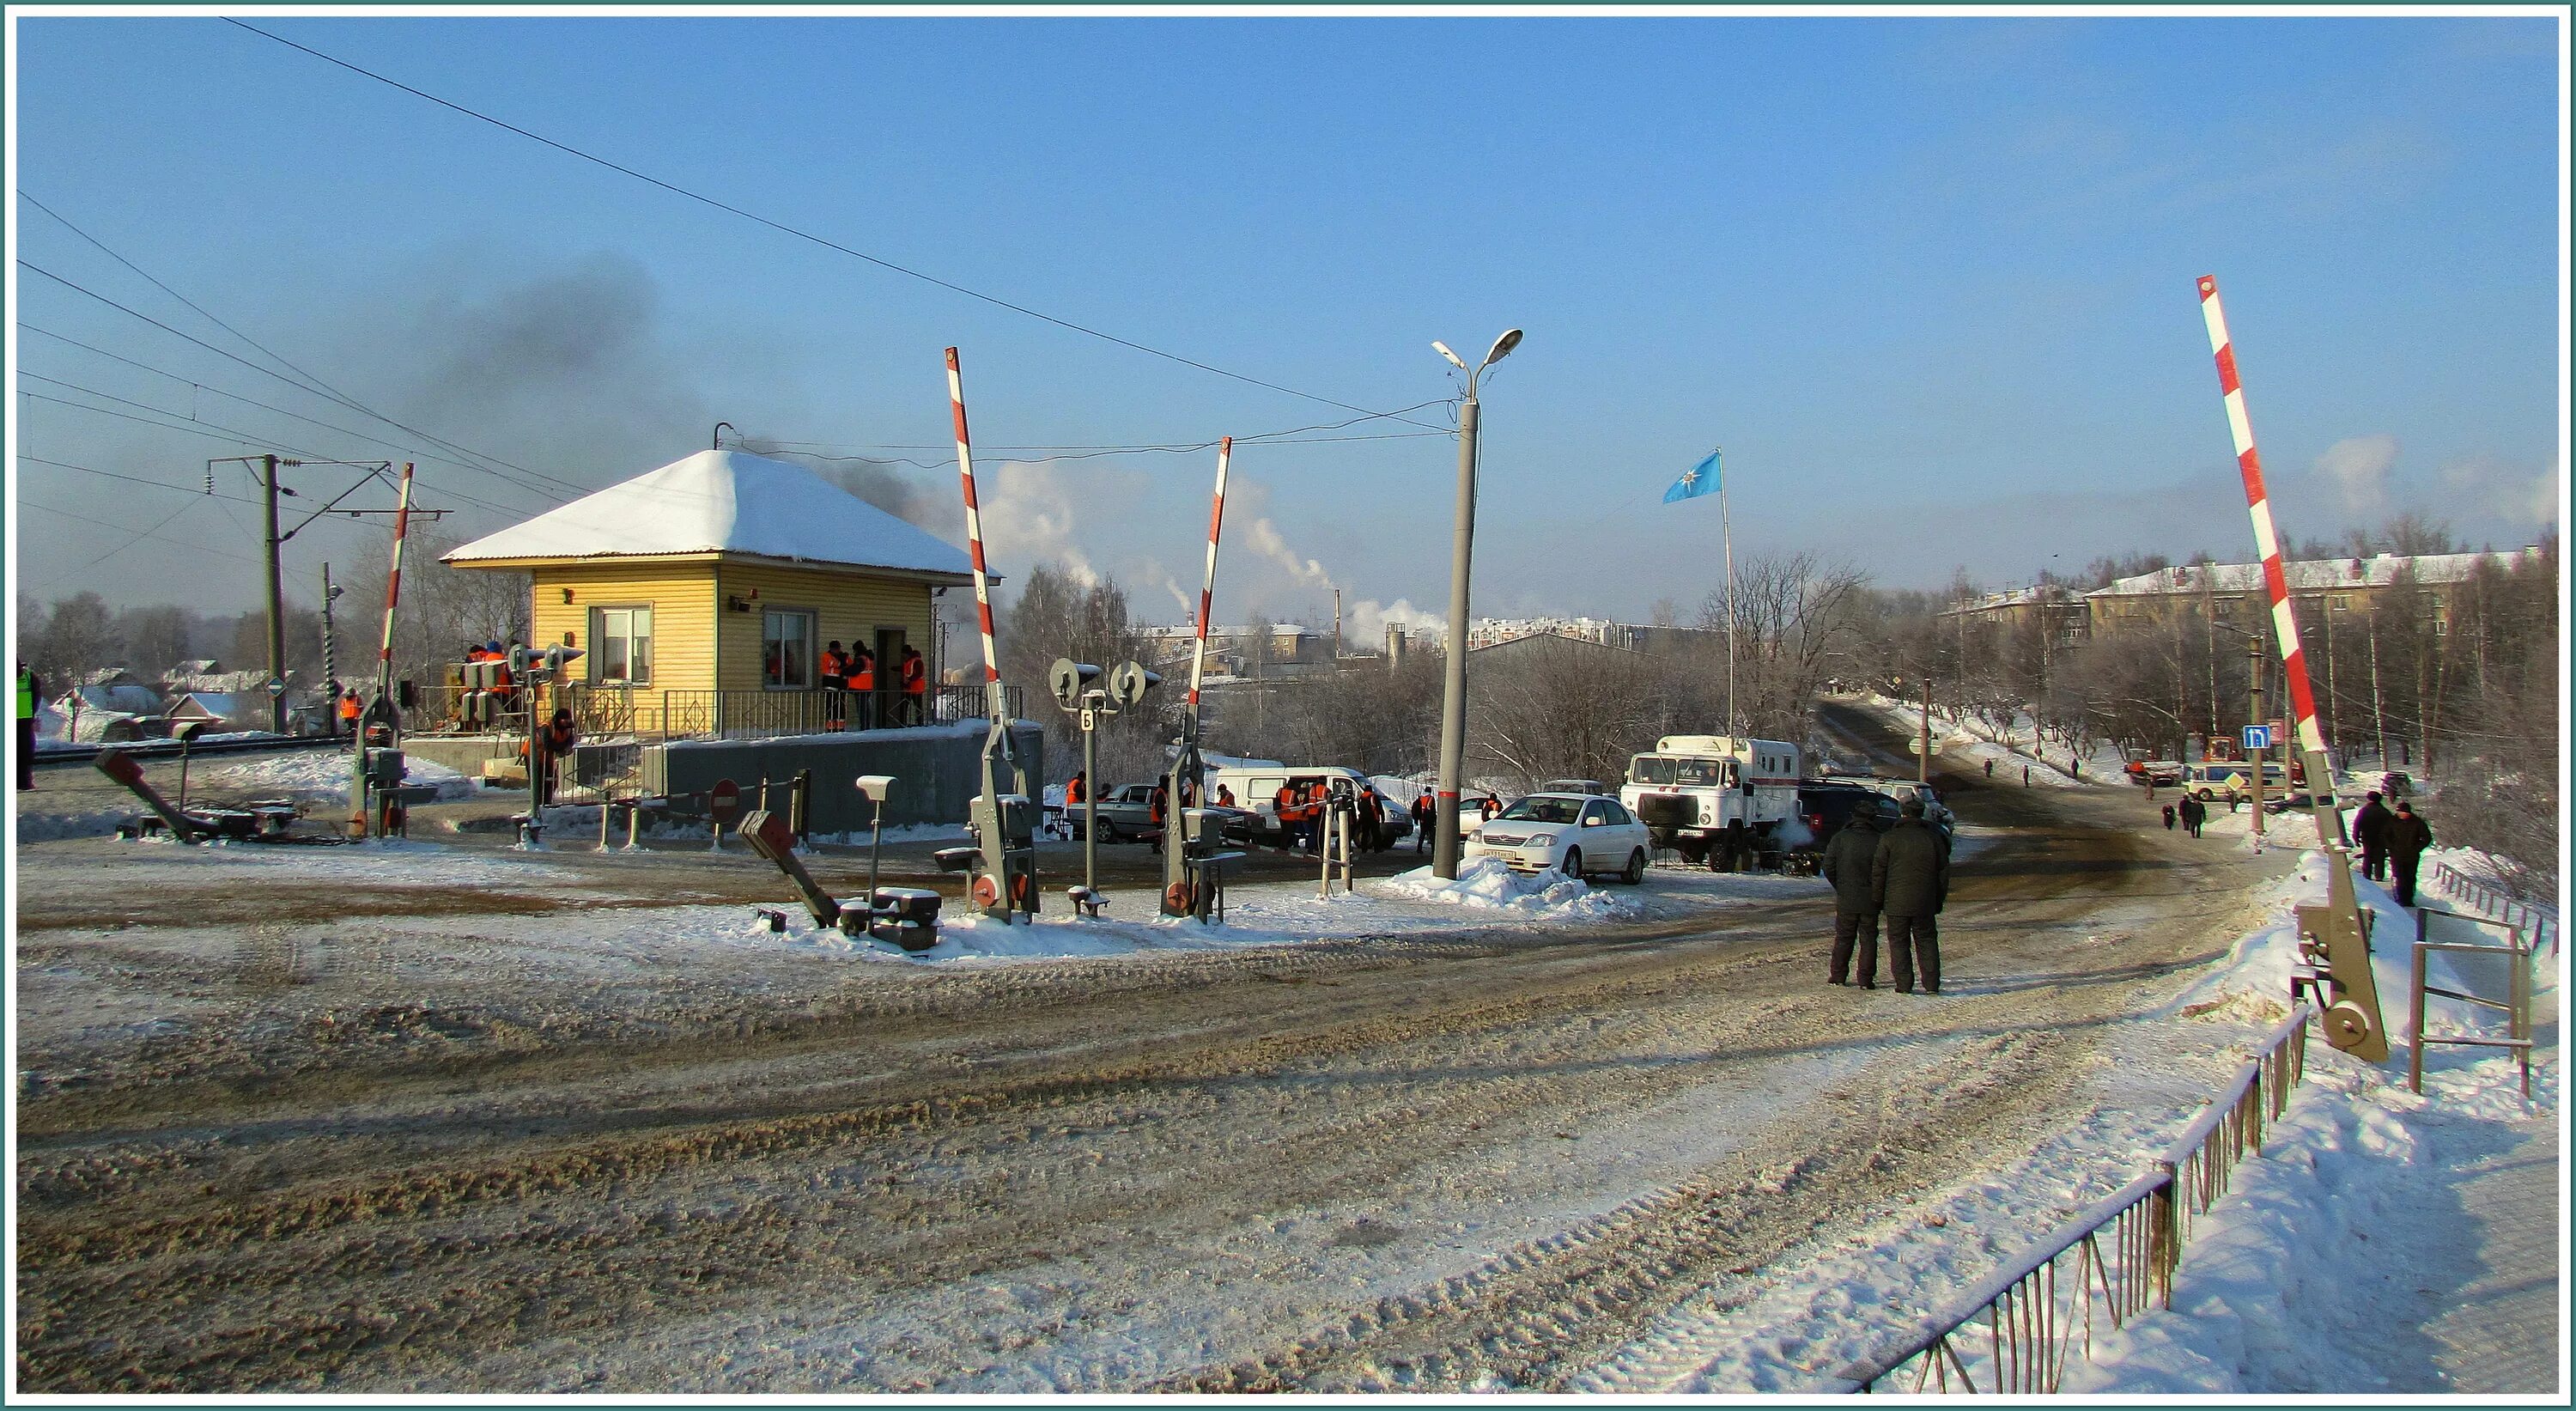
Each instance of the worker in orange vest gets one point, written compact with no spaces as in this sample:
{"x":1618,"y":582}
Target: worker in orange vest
{"x":831,"y":673}
{"x":916,"y":684}
{"x":863,"y":682}
{"x":351,"y":709}
{"x":557,"y":739}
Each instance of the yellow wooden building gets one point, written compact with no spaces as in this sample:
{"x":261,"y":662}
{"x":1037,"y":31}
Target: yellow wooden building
{"x":724,"y":572}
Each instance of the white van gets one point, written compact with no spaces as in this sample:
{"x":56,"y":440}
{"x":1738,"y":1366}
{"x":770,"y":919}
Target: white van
{"x":2230,"y":779}
{"x":1256,"y":787}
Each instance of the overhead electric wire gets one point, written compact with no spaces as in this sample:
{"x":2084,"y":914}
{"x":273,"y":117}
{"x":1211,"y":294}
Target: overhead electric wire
{"x":102,"y":558}
{"x":406,"y":450}
{"x":137,"y":479}
{"x":318,"y":386}
{"x":568,"y":485}
{"x":149,"y":534}
{"x":785,"y":229}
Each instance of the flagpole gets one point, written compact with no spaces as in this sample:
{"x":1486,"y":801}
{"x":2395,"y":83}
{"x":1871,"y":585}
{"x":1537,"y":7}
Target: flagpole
{"x":1726,"y":530}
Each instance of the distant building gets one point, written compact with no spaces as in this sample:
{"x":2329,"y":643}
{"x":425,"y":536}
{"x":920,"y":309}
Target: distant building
{"x":2065,"y":613}
{"x":2322,"y":589}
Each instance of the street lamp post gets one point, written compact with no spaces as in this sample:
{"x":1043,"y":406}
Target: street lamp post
{"x":1453,"y":699}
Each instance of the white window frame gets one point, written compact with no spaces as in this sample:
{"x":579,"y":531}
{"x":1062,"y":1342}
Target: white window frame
{"x":813,"y":620}
{"x":600,"y":637}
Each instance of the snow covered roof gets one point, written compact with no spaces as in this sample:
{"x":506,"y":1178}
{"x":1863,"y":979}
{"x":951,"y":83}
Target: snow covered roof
{"x":2307,"y":575}
{"x":725,"y":502}
{"x":215,"y":705}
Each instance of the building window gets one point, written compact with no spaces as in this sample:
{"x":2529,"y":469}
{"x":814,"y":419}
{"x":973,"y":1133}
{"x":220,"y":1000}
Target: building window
{"x":787,"y":650}
{"x":2342,"y":603}
{"x":621,"y":645}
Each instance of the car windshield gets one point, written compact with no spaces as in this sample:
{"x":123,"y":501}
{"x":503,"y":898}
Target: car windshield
{"x":1650,"y":770}
{"x":1540,"y":809}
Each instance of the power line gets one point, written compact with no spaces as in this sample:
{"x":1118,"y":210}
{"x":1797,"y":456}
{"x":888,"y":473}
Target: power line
{"x":806,"y":235}
{"x":323,"y":388}
{"x":250,"y":401}
{"x":207,"y":429}
{"x":149,"y":534}
{"x":189,"y":490}
{"x":102,"y":558}
{"x":267,"y":372}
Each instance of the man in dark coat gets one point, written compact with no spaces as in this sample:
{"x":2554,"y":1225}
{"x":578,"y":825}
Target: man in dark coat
{"x":1909,"y":879}
{"x":1848,"y":860}
{"x":2370,"y":829}
{"x":2194,"y":813}
{"x":2407,"y":836}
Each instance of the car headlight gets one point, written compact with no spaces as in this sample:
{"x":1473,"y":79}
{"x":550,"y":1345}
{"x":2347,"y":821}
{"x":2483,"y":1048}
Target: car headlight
{"x":1541,"y":840}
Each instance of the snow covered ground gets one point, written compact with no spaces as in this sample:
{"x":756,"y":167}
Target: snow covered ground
{"x":2342,"y":1245}
{"x":318,"y":774}
{"x":1956,"y":739}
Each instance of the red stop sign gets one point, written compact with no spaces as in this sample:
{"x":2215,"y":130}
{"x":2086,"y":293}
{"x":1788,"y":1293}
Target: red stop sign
{"x":724,"y":801}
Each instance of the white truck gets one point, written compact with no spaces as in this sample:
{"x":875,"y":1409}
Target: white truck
{"x":1715,"y":794}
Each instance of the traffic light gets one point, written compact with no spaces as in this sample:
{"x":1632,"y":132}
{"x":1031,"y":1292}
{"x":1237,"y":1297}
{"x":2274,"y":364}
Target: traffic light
{"x":556,"y":657}
{"x":1129,"y":683}
{"x":1068,"y":679}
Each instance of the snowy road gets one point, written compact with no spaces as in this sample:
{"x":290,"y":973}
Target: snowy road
{"x":356,"y":1153}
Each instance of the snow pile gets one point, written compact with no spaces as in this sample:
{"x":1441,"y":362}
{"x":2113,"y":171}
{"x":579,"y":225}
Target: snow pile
{"x":1490,"y":883}
{"x":323,"y":773}
{"x":36,"y":827}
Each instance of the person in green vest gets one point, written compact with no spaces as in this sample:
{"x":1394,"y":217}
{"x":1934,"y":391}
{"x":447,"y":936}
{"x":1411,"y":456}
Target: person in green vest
{"x":29,"y":691}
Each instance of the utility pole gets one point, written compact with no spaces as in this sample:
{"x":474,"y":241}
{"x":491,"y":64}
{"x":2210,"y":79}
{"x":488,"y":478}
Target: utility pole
{"x":2254,"y":760}
{"x":1923,"y":742}
{"x":330,"y":657}
{"x":276,"y":597}
{"x":1453,"y":699}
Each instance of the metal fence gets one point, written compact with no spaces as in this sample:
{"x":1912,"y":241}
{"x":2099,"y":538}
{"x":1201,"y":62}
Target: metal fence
{"x":2538,"y":924}
{"x":2113,"y":1260}
{"x":600,"y":712}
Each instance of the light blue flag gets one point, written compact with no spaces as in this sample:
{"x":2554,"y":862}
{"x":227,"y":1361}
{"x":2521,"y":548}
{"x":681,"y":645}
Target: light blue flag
{"x":1698,"y":480}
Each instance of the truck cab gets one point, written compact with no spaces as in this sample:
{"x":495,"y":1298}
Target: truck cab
{"x":1698,"y":793}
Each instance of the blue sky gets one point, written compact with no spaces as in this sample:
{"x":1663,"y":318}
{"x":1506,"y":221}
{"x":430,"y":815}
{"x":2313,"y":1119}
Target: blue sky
{"x":1928,"y":280}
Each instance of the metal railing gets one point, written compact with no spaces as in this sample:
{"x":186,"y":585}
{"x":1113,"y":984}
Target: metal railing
{"x":2538,"y":923}
{"x":650,"y":715}
{"x":2516,"y":1005}
{"x":2118,"y":1255}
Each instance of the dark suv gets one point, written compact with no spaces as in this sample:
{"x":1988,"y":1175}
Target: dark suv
{"x":1826,"y":805}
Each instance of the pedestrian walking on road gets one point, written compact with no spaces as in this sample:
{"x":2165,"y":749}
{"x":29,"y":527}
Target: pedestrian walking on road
{"x":2370,"y":829}
{"x":2169,"y":817}
{"x":1909,"y":879}
{"x":2407,"y":836}
{"x":2194,"y":813}
{"x":2025,"y":776}
{"x":1990,"y":769}
{"x":1849,"y":861}
{"x":1423,"y":813}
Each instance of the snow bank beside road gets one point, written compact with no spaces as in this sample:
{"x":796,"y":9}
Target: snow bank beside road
{"x":321,"y":773}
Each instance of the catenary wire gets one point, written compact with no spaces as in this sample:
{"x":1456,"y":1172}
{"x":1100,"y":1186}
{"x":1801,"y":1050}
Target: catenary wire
{"x":800,"y":234}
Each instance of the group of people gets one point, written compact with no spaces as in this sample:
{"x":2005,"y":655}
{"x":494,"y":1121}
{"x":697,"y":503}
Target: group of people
{"x":852,"y":690}
{"x":1900,"y":876}
{"x":2191,"y":813}
{"x":1304,"y":805}
{"x":2391,"y":842}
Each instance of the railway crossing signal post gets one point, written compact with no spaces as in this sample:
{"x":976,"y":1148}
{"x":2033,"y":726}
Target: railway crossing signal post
{"x":1082,"y":693}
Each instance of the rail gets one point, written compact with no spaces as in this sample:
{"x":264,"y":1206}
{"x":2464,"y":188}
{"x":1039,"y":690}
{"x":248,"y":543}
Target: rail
{"x":2536,"y":922}
{"x":2034,"y":1319}
{"x":169,"y":749}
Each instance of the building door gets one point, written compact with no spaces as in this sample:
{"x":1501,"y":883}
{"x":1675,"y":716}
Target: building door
{"x":889,"y":702}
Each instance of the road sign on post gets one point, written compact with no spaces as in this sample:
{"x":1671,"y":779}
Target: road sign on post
{"x":2257,"y":737}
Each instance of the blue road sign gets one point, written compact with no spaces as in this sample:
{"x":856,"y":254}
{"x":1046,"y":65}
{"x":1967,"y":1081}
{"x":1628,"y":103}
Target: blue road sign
{"x":2258,"y":737}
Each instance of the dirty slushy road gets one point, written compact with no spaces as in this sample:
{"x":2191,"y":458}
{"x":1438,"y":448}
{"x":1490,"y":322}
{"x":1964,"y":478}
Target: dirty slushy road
{"x":330,"y":1152}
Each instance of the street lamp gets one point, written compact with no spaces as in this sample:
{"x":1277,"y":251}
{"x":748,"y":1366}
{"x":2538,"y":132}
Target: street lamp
{"x":1453,"y":698}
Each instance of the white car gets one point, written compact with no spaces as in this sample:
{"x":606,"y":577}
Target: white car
{"x":1573,"y":833}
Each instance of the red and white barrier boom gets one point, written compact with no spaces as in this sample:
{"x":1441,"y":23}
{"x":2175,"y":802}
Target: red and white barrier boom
{"x":1180,"y":896}
{"x":1004,"y":814}
{"x":2267,"y":542}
